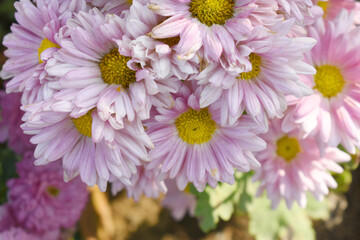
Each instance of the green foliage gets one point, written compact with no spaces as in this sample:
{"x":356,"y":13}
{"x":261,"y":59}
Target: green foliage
{"x":7,"y":170}
{"x":221,"y":202}
{"x":6,"y":16}
{"x":281,"y":223}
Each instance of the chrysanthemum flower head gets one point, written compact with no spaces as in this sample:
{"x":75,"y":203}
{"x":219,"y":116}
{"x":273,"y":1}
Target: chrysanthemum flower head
{"x":192,"y":146}
{"x":10,"y":130}
{"x":41,"y":201}
{"x":291,"y":166}
{"x":17,"y":233}
{"x":331,"y":114}
{"x":59,"y":136}
{"x":146,"y":182}
{"x":32,"y":42}
{"x":178,"y":202}
{"x":111,"y":6}
{"x":96,"y":73}
{"x":298,"y":9}
{"x":332,"y":8}
{"x":275,"y":60}
{"x":214,"y":25}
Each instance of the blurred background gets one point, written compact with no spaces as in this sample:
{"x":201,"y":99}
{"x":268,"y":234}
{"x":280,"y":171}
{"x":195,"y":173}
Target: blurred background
{"x":109,"y":217}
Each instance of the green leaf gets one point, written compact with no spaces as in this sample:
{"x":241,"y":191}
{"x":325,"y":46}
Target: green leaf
{"x":268,"y":224}
{"x":8,"y":160}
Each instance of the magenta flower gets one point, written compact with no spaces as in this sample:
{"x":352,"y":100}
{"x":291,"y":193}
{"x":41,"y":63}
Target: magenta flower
{"x":41,"y":201}
{"x":292,"y":166}
{"x":10,"y":123}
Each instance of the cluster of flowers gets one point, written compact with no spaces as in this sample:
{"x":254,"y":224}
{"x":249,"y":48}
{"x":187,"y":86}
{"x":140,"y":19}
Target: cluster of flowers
{"x":135,"y":93}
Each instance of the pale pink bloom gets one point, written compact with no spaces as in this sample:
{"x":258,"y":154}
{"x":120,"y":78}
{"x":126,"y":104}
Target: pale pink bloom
{"x":192,"y":146}
{"x":331,"y":114}
{"x":111,"y":6}
{"x":292,"y":166}
{"x":276,"y":60}
{"x":59,"y":136}
{"x":92,"y":42}
{"x":178,"y":202}
{"x":207,"y":26}
{"x":333,"y":7}
{"x":144,"y":182}
{"x":10,"y":122}
{"x":41,"y":201}
{"x":298,"y":9}
{"x":157,"y":55}
{"x":32,"y":42}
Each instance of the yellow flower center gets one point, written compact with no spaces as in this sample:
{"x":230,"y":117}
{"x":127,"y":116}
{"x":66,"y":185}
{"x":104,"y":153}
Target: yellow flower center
{"x":195,"y":127}
{"x":211,"y":12}
{"x":53,"y":191}
{"x":45,"y":44}
{"x":256,"y":63}
{"x":328,"y":80}
{"x":170,"y":41}
{"x":83,"y":123}
{"x":187,"y":188}
{"x":324,"y":6}
{"x":287,"y":148}
{"x":114,"y":69}
{"x":129,"y":2}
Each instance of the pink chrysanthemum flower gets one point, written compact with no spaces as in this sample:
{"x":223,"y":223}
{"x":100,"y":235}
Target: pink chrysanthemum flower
{"x":275,"y":60}
{"x":178,"y":202}
{"x":292,"y":166}
{"x":192,"y":146}
{"x":332,"y":8}
{"x":144,"y":182}
{"x":10,"y":123}
{"x":57,"y":135}
{"x":298,"y":9}
{"x":111,"y":6}
{"x":41,"y":201}
{"x":156,"y":55}
{"x":32,"y":42}
{"x":331,"y":114}
{"x":95,"y":72}
{"x":6,"y":218}
{"x":214,"y":25}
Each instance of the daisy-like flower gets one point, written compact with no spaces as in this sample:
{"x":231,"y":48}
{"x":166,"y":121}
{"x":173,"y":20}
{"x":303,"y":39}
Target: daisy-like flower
{"x":332,"y":8}
{"x":111,"y":6}
{"x":275,"y":60}
{"x":298,"y":9}
{"x":178,"y":202}
{"x":31,"y":42}
{"x":144,"y":182}
{"x":192,"y":146}
{"x":214,"y":25}
{"x":156,"y":55}
{"x":41,"y":201}
{"x":57,"y":135}
{"x":331,"y":114}
{"x":95,"y":72}
{"x":10,"y":122}
{"x":291,"y":166}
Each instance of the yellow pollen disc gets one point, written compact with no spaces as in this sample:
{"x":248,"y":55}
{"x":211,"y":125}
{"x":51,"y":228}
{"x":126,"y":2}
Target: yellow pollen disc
{"x":114,"y":70}
{"x":129,"y":2}
{"x":287,"y":148}
{"x":328,"y":80}
{"x":45,"y":44}
{"x":187,"y":188}
{"x":256,"y":63}
{"x":324,"y":6}
{"x":170,"y":41}
{"x":83,"y":123}
{"x":195,"y":127}
{"x":211,"y":12}
{"x":53,"y":191}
